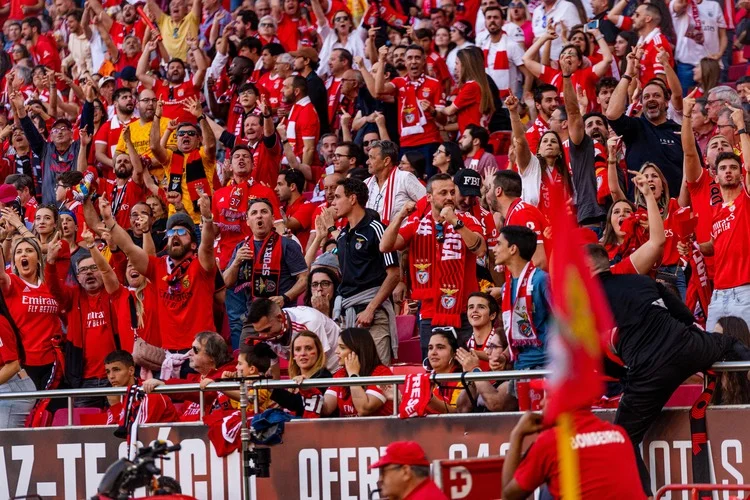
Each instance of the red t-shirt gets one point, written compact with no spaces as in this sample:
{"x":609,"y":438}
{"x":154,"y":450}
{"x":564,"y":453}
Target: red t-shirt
{"x":437,"y":68}
{"x":407,"y":232}
{"x":109,"y":134}
{"x":124,"y":198}
{"x":119,"y":31}
{"x":731,"y":236}
{"x":266,"y":162}
{"x":650,"y":66}
{"x":273,"y":89}
{"x":288,"y":32}
{"x":185,"y":308}
{"x":155,"y":408}
{"x":302,"y":210}
{"x":45,"y":52}
{"x":489,"y":230}
{"x":583,"y":77}
{"x":705,"y":197}
{"x":671,"y":255}
{"x":98,"y":340}
{"x":174,"y":97}
{"x":17,"y":14}
{"x":303,"y":123}
{"x":344,"y":396}
{"x":36,"y":314}
{"x":430,"y":90}
{"x":121,"y":304}
{"x":8,"y":348}
{"x":467,"y":101}
{"x":605,"y":454}
{"x":333,"y":85}
{"x":232,"y":221}
{"x":124,"y":61}
{"x":522,"y":214}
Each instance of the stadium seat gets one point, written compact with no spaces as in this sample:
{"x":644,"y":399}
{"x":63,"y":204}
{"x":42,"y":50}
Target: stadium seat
{"x":685,"y":395}
{"x":307,"y":195}
{"x":736,"y":72}
{"x":406,"y":327}
{"x":409,"y":351}
{"x":500,"y":142}
{"x":94,"y":418}
{"x":502,"y":161}
{"x":61,"y":416}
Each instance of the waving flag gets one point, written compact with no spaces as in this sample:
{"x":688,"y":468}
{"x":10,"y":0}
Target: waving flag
{"x":583,"y":320}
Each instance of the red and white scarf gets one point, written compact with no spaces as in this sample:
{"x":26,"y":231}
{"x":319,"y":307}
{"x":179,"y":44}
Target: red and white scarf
{"x":696,"y":34}
{"x":389,"y":196}
{"x":262,"y":273}
{"x":518,"y":318}
{"x":412,"y":116}
{"x":417,"y":395}
{"x":474,"y":163}
{"x":437,"y":270}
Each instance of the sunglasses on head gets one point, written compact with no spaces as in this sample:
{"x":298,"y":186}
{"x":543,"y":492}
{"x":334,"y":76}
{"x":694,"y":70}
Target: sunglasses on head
{"x":440,"y":232}
{"x":516,"y":5}
{"x":179,"y":231}
{"x":189,"y":133}
{"x":446,"y":329}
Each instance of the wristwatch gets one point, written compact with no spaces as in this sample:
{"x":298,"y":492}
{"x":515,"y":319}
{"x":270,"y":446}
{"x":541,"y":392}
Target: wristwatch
{"x":331,"y":229}
{"x":458,"y":225}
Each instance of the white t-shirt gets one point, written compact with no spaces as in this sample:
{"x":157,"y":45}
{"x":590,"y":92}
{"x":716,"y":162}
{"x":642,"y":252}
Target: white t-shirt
{"x":307,"y":318}
{"x":354,"y":44}
{"x":408,"y":188}
{"x":503,"y":68}
{"x":563,"y":11}
{"x":712,"y":18}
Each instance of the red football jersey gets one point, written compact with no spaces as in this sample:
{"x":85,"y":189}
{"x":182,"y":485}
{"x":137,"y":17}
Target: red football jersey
{"x":730,"y":232}
{"x":174,"y":97}
{"x":344,"y":396}
{"x":430,"y":90}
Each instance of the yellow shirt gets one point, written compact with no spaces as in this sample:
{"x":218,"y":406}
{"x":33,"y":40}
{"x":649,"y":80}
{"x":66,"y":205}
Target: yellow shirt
{"x":209,"y":167}
{"x":139,"y":135}
{"x":175,"y":35}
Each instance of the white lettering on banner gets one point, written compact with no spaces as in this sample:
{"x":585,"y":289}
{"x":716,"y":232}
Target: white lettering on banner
{"x":4,"y":488}
{"x":309,"y":474}
{"x":736,"y":445}
{"x":317,"y":477}
{"x":460,"y":475}
{"x":347,"y":476}
{"x":368,"y":479}
{"x":682,"y":448}
{"x":24,"y":453}
{"x":92,"y":452}
{"x":664,"y":447}
{"x":69,"y":453}
{"x":328,"y":474}
{"x":193,"y":449}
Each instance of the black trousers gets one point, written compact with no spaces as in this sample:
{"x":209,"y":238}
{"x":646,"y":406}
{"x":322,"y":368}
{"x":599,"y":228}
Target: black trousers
{"x":649,"y":387}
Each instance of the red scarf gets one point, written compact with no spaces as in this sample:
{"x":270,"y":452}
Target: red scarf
{"x":417,"y":395}
{"x":696,"y":33}
{"x":412,"y":116}
{"x":474,"y":164}
{"x":437,"y":271}
{"x":389,"y":196}
{"x":195,"y":175}
{"x":518,"y":318}
{"x":263,"y":273}
{"x":699,"y":287}
{"x":174,"y":278}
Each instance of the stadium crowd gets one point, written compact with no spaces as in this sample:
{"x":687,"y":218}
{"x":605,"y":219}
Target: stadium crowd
{"x":196,"y":190}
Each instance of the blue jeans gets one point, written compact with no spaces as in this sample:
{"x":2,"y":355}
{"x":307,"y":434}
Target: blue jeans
{"x":426,"y":150}
{"x":13,"y":412}
{"x":685,"y":75}
{"x":236,"y":304}
{"x":92,"y":401}
{"x":679,"y":274}
{"x":729,"y":302}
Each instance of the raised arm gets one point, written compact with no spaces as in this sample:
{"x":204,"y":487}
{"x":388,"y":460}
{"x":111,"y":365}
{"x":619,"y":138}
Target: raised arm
{"x":618,"y":103}
{"x":206,"y":254}
{"x":193,"y":106}
{"x":575,"y":119}
{"x":111,"y":283}
{"x":136,"y":255}
{"x":104,"y":20}
{"x":612,"y":178}
{"x":141,"y":71}
{"x":691,"y":163}
{"x":649,"y":254}
{"x":320,"y":14}
{"x":156,"y":11}
{"x":197,"y":9}
{"x":200,"y":61}
{"x":523,"y":153}
{"x":160,"y":153}
{"x":381,"y":87}
{"x":602,"y":67}
{"x":135,"y":158}
{"x":530,"y":61}
{"x":672,"y":79}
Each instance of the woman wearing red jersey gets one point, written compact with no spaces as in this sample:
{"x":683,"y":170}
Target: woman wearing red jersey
{"x":358,"y":358}
{"x":482,"y":311}
{"x":13,"y":378}
{"x":441,"y":356}
{"x":137,"y":301}
{"x":473,"y":103}
{"x":33,"y":308}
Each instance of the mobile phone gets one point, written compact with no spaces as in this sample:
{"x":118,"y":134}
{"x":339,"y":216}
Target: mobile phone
{"x":593,"y":25}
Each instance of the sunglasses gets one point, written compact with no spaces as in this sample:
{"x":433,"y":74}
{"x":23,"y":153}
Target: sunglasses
{"x":189,"y":133}
{"x":446,"y":329}
{"x":180,"y":231}
{"x":366,"y":143}
{"x":341,"y":18}
{"x":516,"y":5}
{"x":440,"y":232}
{"x":266,"y":25}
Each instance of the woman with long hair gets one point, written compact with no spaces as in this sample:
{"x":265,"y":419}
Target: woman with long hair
{"x":443,"y":43}
{"x":69,"y":230}
{"x":624,"y":43}
{"x":733,"y":388}
{"x":462,"y":34}
{"x":473,"y":103}
{"x":448,"y":158}
{"x":322,"y":289}
{"x":518,"y":14}
{"x":13,"y":378}
{"x":46,"y":225}
{"x":33,"y":308}
{"x":706,"y":74}
{"x":136,"y":306}
{"x":441,"y":358}
{"x":413,"y":161}
{"x":358,"y":357}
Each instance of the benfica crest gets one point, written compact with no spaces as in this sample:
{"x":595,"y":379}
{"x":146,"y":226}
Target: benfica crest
{"x":422,"y":274}
{"x":186,"y":282}
{"x":447,"y":300}
{"x":410,"y":116}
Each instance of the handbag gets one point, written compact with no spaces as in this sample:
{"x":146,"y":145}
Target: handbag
{"x":145,"y":355}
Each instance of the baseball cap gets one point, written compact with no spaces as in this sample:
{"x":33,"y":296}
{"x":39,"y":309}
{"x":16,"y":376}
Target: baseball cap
{"x":402,"y":453}
{"x":329,"y":260}
{"x":306,"y":52}
{"x":105,"y":81}
{"x":63,"y":121}
{"x":8,"y":193}
{"x":285,"y":59}
{"x":183,"y":220}
{"x":127,"y":74}
{"x":469,"y":182}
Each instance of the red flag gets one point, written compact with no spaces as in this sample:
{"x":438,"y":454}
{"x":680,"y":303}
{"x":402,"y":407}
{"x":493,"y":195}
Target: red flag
{"x":583,"y":320}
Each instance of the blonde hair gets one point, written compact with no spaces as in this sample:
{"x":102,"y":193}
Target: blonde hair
{"x":472,"y":68}
{"x":294,"y":369}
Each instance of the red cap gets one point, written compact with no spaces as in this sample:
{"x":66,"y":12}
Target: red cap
{"x":402,"y":453}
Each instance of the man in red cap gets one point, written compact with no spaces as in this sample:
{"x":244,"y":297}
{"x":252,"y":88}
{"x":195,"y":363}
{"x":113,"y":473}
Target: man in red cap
{"x":405,"y":473}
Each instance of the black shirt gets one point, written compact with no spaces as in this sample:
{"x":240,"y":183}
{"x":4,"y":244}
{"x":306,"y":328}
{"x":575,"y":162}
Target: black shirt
{"x":608,"y":29}
{"x":651,"y":321}
{"x":659,"y":144}
{"x":584,"y":181}
{"x":362,"y":263}
{"x":316,"y":91}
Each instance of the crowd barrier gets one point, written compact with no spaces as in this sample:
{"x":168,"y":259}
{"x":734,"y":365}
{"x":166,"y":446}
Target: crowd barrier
{"x":330,"y":458}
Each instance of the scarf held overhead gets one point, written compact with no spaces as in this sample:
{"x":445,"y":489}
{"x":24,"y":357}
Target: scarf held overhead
{"x":195,"y":175}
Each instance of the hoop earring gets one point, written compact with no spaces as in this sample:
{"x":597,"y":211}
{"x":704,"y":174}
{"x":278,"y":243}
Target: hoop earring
{"x":426,"y":364}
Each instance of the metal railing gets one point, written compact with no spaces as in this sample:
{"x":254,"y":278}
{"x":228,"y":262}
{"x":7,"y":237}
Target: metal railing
{"x":394,"y":380}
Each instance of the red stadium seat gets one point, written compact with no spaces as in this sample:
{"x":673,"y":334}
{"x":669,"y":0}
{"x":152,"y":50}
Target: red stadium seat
{"x":500,"y":142}
{"x":502,"y":161}
{"x":685,"y":395}
{"x":61,"y":416}
{"x":406,"y":326}
{"x":736,"y":72}
{"x":409,"y":351}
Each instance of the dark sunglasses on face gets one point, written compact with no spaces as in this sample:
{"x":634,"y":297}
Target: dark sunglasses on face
{"x":366,"y":143}
{"x":342,"y":18}
{"x":189,"y":133}
{"x":179,"y":231}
